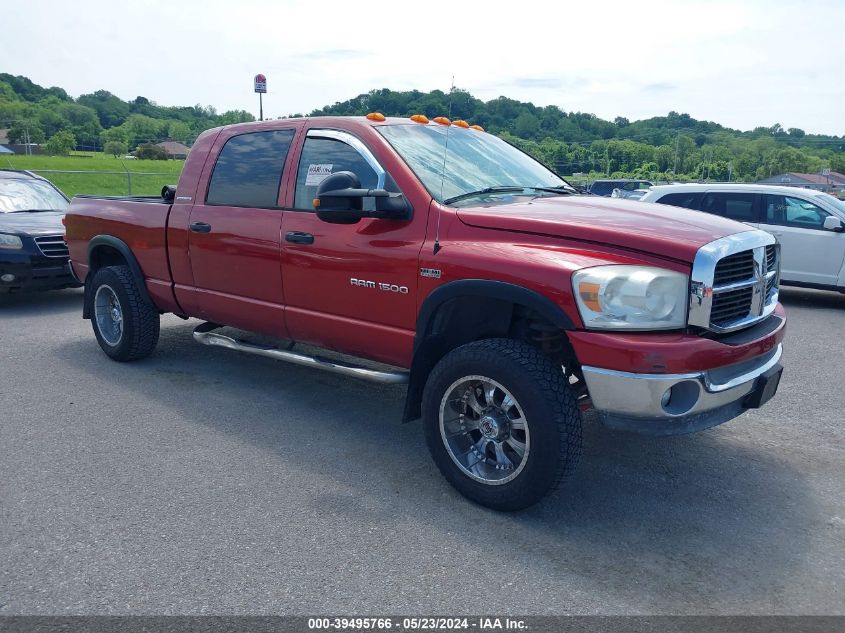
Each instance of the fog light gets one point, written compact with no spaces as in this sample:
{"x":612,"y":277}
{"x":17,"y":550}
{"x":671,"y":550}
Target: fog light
{"x":7,"y":278}
{"x":680,"y":397}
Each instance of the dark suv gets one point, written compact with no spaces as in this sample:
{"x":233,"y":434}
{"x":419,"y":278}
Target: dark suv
{"x":33,"y":254}
{"x":606,"y":187}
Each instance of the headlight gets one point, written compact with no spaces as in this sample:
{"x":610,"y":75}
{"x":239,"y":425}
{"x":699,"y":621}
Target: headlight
{"x":11,"y":242}
{"x":631,"y":298}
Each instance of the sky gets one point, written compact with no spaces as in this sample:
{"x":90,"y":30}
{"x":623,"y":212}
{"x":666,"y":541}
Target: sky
{"x":743,"y":64}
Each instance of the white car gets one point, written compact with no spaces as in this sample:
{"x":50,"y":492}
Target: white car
{"x":810,"y":225}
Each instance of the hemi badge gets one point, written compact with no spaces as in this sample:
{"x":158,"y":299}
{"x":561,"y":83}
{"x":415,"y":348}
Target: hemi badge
{"x":434,"y":273}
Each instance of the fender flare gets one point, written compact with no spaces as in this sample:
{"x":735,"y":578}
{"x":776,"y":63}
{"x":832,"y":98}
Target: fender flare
{"x":492,"y":290}
{"x":123,"y":248}
{"x":424,"y":359}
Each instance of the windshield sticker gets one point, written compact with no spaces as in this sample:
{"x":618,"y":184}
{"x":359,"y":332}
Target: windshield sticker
{"x":317,"y":174}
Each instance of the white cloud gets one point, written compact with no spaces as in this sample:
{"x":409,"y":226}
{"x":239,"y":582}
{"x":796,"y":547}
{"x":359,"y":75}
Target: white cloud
{"x":740,"y":64}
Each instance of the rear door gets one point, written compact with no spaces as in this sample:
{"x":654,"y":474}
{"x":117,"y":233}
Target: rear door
{"x":234,"y":236}
{"x":736,"y":205}
{"x":809,"y":252}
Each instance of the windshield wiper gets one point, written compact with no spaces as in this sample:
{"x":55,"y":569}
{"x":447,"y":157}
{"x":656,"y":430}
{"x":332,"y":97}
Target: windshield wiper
{"x":481,"y":192}
{"x":35,"y":211}
{"x":561,"y":190}
{"x":511,"y":189}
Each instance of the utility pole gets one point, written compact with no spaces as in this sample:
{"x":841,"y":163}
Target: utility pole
{"x":677,"y":147}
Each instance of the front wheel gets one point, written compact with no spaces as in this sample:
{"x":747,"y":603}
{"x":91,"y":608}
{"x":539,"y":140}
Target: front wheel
{"x":125,"y":324}
{"x":501,"y":423}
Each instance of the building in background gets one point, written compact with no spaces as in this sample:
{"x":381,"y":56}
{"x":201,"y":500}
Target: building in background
{"x":174,"y":149}
{"x":4,"y":141}
{"x":831,"y":182}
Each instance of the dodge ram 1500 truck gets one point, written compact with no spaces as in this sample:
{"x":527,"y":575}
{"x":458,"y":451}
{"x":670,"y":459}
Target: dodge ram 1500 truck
{"x":462,"y":267}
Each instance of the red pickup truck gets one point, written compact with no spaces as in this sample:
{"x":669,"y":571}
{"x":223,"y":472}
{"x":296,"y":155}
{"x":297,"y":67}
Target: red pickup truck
{"x":445,"y":258}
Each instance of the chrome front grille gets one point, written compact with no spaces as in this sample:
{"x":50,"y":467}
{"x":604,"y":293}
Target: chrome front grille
{"x":734,"y":268}
{"x":730,"y":305}
{"x":52,"y":245}
{"x":734,"y":282}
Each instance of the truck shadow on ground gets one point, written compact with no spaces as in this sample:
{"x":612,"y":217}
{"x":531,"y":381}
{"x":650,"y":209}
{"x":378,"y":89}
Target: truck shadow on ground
{"x":724,"y":514}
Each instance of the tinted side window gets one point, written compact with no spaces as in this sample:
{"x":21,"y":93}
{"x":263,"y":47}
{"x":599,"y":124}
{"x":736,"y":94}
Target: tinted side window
{"x":249,"y":170}
{"x":686,"y":200}
{"x":602,"y":188}
{"x":736,"y":206}
{"x":322,"y":157}
{"x":789,"y":211}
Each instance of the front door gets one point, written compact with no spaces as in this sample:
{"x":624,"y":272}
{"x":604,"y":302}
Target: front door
{"x":234,"y":233}
{"x":809,"y":252}
{"x":349,"y":287}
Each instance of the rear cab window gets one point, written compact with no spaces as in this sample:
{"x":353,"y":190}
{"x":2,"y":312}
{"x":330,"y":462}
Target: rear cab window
{"x":248,"y":171}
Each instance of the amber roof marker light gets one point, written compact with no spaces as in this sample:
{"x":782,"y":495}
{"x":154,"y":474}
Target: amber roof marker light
{"x":442,"y":120}
{"x":419,"y":118}
{"x":375,"y":116}
{"x":461,"y":123}
{"x":476,"y":127}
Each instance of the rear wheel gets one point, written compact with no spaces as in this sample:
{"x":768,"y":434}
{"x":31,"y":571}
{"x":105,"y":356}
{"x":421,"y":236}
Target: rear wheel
{"x":501,"y":423}
{"x":125,"y":324}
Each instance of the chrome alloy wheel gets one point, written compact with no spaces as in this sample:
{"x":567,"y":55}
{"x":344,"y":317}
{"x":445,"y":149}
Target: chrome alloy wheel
{"x":484,"y":430}
{"x":109,"y":315}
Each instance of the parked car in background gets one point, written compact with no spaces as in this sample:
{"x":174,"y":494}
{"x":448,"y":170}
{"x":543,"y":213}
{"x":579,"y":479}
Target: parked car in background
{"x":626,"y":194}
{"x":606,"y":187}
{"x":33,"y":255}
{"x":809,"y":224}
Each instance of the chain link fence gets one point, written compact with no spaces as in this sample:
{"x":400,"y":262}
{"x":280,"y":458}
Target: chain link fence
{"x":108,"y":183}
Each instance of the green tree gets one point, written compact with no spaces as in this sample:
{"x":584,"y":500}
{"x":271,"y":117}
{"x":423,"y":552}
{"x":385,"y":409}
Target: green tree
{"x":21,"y":131}
{"x":111,"y":111}
{"x":117,"y":134}
{"x":149,"y":151}
{"x":143,"y":129}
{"x":61,"y":143}
{"x":526,"y":125}
{"x":178,"y":131}
{"x":116,"y":148}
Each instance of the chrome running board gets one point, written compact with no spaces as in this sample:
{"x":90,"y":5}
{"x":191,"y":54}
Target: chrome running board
{"x":202,"y":334}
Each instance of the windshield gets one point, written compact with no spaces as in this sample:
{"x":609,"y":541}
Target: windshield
{"x":28,"y":194}
{"x":475,"y":161}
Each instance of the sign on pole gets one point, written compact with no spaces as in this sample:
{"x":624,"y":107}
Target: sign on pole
{"x":260,"y":83}
{"x":261,"y":89}
{"x":825,"y":172}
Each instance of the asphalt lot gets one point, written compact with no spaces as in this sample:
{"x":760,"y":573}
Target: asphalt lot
{"x":206,"y":481}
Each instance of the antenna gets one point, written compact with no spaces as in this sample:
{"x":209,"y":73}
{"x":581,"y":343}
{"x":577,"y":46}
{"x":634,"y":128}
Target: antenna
{"x":443,"y":173}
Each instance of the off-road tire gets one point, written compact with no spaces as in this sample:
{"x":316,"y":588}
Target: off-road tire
{"x":552,"y":415}
{"x":141,"y":321}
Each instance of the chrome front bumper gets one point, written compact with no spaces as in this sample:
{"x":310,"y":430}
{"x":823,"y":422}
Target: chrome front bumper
{"x":640,"y":402}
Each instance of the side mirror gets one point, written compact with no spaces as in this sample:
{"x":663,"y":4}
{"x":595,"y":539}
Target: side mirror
{"x":340,"y":201}
{"x":832,"y":223}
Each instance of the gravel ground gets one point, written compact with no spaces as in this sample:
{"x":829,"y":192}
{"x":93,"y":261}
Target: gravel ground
{"x":205,"y":481}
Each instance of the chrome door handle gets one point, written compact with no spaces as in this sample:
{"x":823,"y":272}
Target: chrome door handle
{"x":298,"y":237}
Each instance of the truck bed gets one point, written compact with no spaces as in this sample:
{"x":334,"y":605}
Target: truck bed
{"x":140,"y":222}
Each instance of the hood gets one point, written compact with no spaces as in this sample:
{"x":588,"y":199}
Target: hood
{"x":657,"y":229}
{"x":40,"y":223}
